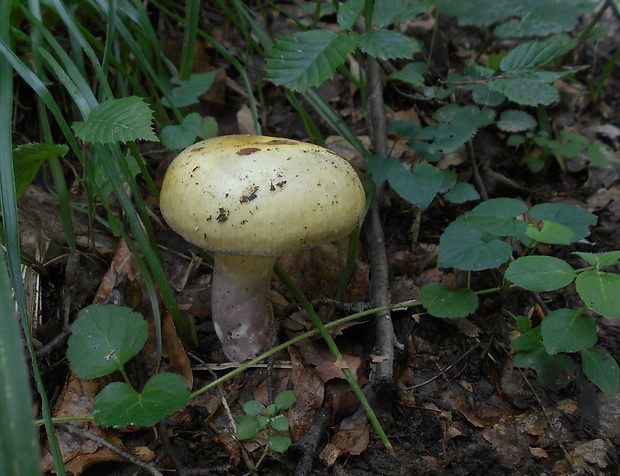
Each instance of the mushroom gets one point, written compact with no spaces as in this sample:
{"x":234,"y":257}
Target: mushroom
{"x":250,"y":199}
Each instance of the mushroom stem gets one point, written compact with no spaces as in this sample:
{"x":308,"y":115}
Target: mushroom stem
{"x":241,"y":305}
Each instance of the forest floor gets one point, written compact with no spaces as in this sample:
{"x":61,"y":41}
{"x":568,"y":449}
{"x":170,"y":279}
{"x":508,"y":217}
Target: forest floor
{"x":457,"y":404}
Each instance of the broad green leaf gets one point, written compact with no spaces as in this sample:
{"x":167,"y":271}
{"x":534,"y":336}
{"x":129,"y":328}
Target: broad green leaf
{"x":534,"y":53}
{"x":349,"y":12}
{"x":418,"y":186}
{"x":280,"y":423}
{"x":247,"y":427}
{"x":471,"y":115}
{"x":271,"y":410}
{"x":27,"y":160}
{"x":550,"y":232}
{"x":462,"y":192}
{"x":600,"y":260}
{"x":600,"y":292}
{"x":285,"y":399}
{"x":514,"y":120}
{"x":187,"y":92}
{"x":117,"y":120}
{"x":576,"y":218}
{"x":118,"y":405}
{"x":208,"y":128}
{"x":571,"y":145}
{"x":567,"y":330}
{"x":279,"y":443}
{"x":602,"y":369}
{"x":468,"y":247}
{"x":104,"y":338}
{"x":597,"y":155}
{"x":525,"y":91}
{"x":412,"y":73}
{"x":308,"y":58}
{"x":553,"y":370}
{"x":378,"y":166}
{"x":497,"y":216}
{"x":540,"y":273}
{"x":388,"y":12}
{"x":388,"y":44}
{"x":184,"y":134}
{"x":441,"y":301}
{"x":528,"y":340}
{"x":253,"y":408}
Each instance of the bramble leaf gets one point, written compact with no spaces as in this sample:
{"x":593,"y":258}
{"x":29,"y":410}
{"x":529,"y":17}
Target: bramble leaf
{"x":308,"y":58}
{"x":117,"y":120}
{"x":388,"y":44}
{"x":514,"y":120}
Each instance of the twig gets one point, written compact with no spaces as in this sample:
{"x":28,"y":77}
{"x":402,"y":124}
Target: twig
{"x":89,"y":435}
{"x":474,"y":166}
{"x":383,"y":359}
{"x":310,"y":441}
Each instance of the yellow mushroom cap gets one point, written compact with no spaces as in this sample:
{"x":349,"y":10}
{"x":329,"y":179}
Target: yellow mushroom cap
{"x":261,"y":196}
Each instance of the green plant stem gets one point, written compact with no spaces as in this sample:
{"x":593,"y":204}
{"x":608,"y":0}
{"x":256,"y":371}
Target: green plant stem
{"x":585,"y":34}
{"x":609,"y":66}
{"x":301,"y":299}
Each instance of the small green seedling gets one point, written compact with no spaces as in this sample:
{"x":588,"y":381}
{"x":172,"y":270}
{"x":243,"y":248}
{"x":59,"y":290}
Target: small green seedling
{"x":269,"y":420}
{"x":103,"y":339}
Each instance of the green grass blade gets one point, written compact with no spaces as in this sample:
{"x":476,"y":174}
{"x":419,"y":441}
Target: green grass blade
{"x":18,"y":438}
{"x":192,"y":14}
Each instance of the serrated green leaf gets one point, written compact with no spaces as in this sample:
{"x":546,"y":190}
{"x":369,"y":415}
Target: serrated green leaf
{"x":600,"y":260}
{"x":576,"y":218}
{"x":524,"y":91}
{"x":104,"y":338}
{"x":27,"y":160}
{"x":118,"y":405}
{"x":567,"y":330}
{"x":599,"y":291}
{"x":465,"y":246}
{"x":388,"y":12}
{"x":462,"y":192}
{"x":285,"y":399}
{"x":513,"y":120}
{"x":253,"y":408}
{"x":529,"y":340}
{"x":540,"y":273}
{"x":546,"y":18}
{"x":418,"y":186}
{"x":181,"y":136}
{"x":412,"y":73}
{"x":349,"y":12}
{"x":117,"y":120}
{"x":483,"y":96}
{"x":388,"y":44}
{"x":187,"y":92}
{"x":441,"y":301}
{"x":550,"y":232}
{"x":479,"y":13}
{"x":247,"y":427}
{"x":534,"y":53}
{"x":279,"y":443}
{"x":602,"y":369}
{"x":308,"y":58}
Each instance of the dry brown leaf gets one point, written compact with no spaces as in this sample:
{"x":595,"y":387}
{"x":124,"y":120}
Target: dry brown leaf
{"x":309,"y":393}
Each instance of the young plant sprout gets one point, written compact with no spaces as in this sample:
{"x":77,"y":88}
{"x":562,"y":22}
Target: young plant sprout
{"x":250,"y":199}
